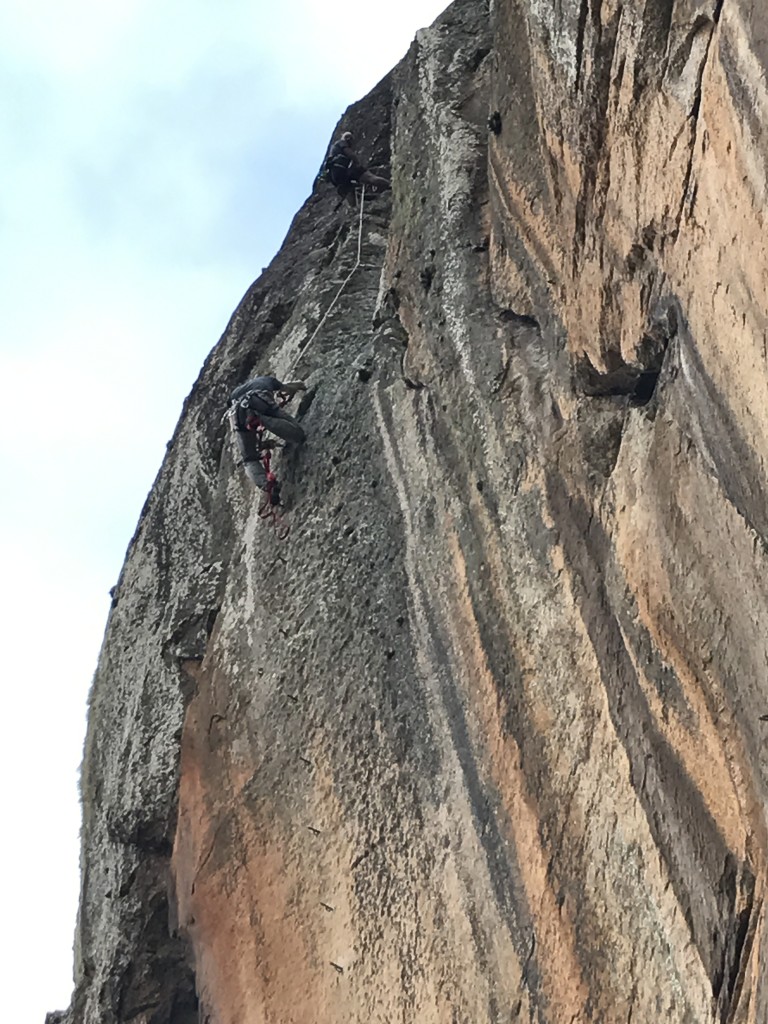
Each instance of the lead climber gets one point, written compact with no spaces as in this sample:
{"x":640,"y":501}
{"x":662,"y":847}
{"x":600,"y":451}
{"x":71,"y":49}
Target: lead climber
{"x":256,"y":407}
{"x":344,"y":170}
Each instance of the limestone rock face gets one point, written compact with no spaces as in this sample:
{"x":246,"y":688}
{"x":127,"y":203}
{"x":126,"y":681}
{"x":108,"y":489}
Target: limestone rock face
{"x":481,"y":740}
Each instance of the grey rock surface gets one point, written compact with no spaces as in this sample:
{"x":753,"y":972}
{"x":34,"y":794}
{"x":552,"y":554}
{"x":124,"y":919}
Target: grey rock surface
{"x":481,"y":740}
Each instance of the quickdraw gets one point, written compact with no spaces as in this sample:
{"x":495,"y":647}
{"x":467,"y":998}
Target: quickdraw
{"x":267,"y":510}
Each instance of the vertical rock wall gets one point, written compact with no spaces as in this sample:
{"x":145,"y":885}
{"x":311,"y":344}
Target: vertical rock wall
{"x":482,"y":739}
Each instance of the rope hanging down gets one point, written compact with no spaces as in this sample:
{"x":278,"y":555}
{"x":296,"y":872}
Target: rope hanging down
{"x":345,"y":282}
{"x":267,"y":510}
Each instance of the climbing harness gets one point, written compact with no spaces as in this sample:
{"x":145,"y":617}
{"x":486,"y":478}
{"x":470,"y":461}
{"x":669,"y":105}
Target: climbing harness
{"x":344,"y":283}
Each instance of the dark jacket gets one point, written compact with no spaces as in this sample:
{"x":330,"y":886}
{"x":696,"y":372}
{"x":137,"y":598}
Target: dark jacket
{"x":257,"y":396}
{"x":343,"y":165}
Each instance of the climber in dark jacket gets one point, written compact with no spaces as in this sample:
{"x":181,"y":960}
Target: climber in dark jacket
{"x":253,"y":405}
{"x":345,"y":170}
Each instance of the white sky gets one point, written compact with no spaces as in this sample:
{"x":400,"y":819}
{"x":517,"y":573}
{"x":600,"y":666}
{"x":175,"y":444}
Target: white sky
{"x":135,"y":209}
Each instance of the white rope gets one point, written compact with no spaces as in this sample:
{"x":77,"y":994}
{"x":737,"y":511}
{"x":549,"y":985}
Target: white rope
{"x":345,"y":282}
{"x":231,"y":410}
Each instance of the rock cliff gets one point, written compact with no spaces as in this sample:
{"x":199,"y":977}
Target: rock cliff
{"x":481,"y":741}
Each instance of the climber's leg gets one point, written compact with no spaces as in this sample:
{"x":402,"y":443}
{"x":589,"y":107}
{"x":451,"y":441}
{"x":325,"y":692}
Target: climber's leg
{"x":380,"y":184}
{"x":284,"y":426}
{"x":256,"y":473}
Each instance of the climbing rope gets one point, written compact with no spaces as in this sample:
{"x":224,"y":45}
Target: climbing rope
{"x":267,"y":511}
{"x":345,"y":282}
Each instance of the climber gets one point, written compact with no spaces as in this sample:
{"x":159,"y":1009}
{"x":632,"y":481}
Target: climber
{"x":255,"y":407}
{"x":344,"y":170}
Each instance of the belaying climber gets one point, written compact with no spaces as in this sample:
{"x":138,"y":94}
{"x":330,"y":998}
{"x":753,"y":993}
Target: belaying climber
{"x":255,"y":408}
{"x":344,"y":170}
